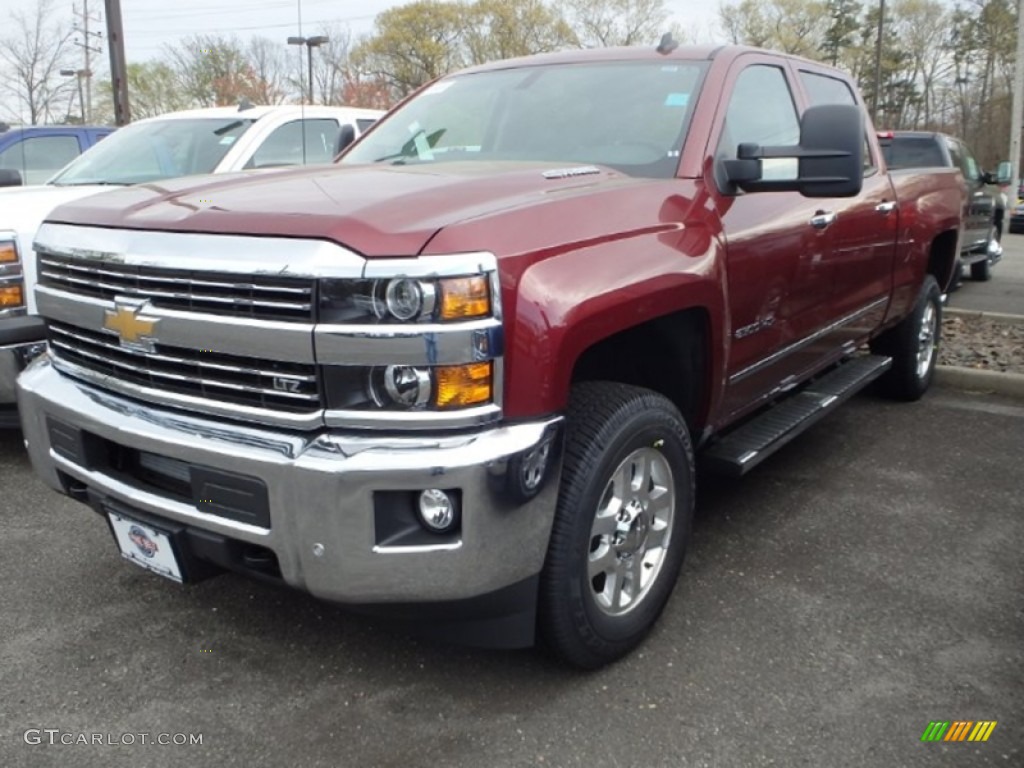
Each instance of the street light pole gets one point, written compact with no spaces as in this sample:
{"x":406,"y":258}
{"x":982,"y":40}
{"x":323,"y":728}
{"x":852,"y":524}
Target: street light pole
{"x":310,"y":43}
{"x":79,"y":74}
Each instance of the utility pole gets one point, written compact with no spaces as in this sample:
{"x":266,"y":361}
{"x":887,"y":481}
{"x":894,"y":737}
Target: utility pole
{"x":118,"y":63}
{"x":87,"y":50}
{"x":1017,"y":106}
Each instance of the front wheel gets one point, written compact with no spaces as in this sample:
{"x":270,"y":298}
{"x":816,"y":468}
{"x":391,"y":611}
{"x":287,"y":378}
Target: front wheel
{"x":913,"y":346}
{"x":622,"y":523}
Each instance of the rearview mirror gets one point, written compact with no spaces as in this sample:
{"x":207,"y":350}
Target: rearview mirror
{"x":830,"y":156}
{"x":10,"y":178}
{"x":346,"y":137}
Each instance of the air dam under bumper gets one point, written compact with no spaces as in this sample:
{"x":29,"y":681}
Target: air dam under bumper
{"x":323,"y":492}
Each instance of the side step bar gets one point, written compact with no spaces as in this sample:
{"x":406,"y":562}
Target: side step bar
{"x":742,"y":450}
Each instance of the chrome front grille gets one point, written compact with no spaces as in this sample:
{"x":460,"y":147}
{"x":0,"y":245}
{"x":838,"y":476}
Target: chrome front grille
{"x":265,"y":297}
{"x":267,"y":384}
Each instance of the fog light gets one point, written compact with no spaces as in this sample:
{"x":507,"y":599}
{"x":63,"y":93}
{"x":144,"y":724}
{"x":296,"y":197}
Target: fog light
{"x":400,"y":385}
{"x":437,"y":511}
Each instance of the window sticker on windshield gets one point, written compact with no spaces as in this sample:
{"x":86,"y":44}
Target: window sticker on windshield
{"x":677,"y":100}
{"x":440,"y":87}
{"x":228,"y":140}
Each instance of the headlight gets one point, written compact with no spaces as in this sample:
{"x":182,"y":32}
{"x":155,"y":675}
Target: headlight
{"x":12,"y":285}
{"x":404,"y":300}
{"x":12,"y":294}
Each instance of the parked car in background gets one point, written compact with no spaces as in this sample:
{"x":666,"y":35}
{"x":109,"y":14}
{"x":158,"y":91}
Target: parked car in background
{"x":984,"y":204}
{"x":151,"y":151}
{"x":1017,"y":217}
{"x":32,"y":155}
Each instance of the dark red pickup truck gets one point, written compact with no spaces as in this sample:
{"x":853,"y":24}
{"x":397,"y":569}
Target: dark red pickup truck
{"x":469,"y":373}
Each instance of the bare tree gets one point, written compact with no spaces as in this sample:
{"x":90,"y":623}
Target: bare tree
{"x":268,"y":61}
{"x":599,"y":23}
{"x":34,"y":50}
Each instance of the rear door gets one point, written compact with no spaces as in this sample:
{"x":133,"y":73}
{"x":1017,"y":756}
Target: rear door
{"x":978,"y":217}
{"x":863,"y":236}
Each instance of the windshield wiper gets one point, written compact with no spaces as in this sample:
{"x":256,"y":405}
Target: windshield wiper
{"x":91,"y":183}
{"x":228,"y":127}
{"x":409,"y":149}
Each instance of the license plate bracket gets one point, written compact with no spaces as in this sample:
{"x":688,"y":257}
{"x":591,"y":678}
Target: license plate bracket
{"x":147,"y":546}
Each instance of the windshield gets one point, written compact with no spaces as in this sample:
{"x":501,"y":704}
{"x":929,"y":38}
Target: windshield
{"x":630,"y":116}
{"x":155,"y":150}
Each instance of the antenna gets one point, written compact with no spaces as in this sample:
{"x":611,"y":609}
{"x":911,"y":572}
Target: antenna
{"x":667,"y":44}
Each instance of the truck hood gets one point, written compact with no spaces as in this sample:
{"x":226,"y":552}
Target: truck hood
{"x":374,"y":210}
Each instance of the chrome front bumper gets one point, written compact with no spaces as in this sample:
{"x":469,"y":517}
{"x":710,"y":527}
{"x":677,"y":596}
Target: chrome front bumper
{"x":321,"y":491}
{"x":13,"y":358}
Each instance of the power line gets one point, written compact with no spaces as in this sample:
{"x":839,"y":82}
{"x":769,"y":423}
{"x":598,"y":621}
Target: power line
{"x":283,"y":25}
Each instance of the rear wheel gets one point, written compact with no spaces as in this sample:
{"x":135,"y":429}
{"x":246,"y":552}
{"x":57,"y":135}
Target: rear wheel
{"x":913,"y":346}
{"x":622,"y":523}
{"x":981,"y":270}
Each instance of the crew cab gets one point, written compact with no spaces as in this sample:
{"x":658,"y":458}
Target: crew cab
{"x":219,"y":140}
{"x":33,"y":154}
{"x":465,"y":376}
{"x":984,"y":204}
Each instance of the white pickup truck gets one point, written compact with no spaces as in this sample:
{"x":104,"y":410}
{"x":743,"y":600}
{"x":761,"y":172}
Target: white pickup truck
{"x":218,"y":140}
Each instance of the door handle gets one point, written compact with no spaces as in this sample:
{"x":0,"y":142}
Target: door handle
{"x":886,"y":207}
{"x":822,"y":219}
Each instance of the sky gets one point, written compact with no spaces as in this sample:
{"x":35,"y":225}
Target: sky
{"x":151,"y":24}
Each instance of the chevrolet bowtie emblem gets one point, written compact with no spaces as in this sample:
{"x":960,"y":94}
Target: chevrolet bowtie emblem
{"x":135,"y":331}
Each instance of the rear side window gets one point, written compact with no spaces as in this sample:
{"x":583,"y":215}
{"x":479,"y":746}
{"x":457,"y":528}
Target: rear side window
{"x":822,"y":89}
{"x":924,"y":152}
{"x":288,"y":146}
{"x":364,"y":124}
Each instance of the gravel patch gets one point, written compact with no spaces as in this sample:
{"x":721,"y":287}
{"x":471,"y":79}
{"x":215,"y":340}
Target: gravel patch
{"x":976,"y":342}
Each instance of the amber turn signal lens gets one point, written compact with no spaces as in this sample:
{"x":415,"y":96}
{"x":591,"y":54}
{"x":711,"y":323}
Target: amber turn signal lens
{"x":464,"y":297}
{"x":11,"y":296}
{"x":8,"y":253}
{"x":462,"y":385}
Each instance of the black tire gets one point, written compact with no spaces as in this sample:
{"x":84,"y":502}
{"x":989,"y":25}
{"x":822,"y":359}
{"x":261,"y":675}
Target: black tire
{"x":981,"y":270}
{"x":906,"y":380}
{"x":609,"y":424}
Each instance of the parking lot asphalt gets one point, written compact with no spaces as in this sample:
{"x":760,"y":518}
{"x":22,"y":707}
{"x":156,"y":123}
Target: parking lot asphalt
{"x":1005,"y":291}
{"x":861,"y":583}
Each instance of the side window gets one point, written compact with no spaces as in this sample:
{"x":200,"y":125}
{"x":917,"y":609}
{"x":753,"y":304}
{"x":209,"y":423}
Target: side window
{"x":40,"y":157}
{"x":822,"y":89}
{"x":285,"y":145}
{"x":363,"y":124}
{"x":761,"y":110}
{"x":970,"y":166}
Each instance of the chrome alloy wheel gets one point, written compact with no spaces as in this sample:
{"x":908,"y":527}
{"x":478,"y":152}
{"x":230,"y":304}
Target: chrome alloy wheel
{"x":926,"y":338}
{"x":631,"y":531}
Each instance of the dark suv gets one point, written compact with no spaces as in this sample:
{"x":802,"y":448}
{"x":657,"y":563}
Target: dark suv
{"x":984,"y":207}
